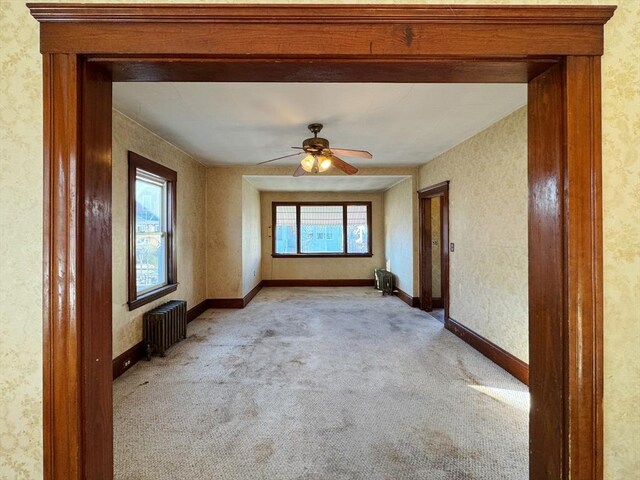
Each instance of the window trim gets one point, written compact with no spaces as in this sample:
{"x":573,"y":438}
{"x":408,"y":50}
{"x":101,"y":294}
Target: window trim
{"x":344,"y":205}
{"x":138,"y":162}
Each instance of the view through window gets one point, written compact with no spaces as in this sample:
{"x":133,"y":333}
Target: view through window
{"x":325,"y":229}
{"x":151,"y":232}
{"x":152,"y":217}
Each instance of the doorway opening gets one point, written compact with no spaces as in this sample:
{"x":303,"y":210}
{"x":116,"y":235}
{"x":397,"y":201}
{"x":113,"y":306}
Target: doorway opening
{"x":392,"y":320}
{"x":555,"y":50}
{"x":434,"y":250}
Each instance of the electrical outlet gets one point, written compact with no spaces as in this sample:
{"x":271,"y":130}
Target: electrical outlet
{"x":451,"y":247}
{"x":127,"y":363}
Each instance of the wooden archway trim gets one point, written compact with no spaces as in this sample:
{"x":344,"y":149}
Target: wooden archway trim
{"x":555,"y":49}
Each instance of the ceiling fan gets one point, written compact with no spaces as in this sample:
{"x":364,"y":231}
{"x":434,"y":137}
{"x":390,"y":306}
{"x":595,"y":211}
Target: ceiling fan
{"x":319,"y":157}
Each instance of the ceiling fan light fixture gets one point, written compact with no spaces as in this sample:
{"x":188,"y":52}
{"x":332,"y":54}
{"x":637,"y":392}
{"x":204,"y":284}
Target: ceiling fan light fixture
{"x":308,"y":163}
{"x":318,"y":158}
{"x":324,"y":163}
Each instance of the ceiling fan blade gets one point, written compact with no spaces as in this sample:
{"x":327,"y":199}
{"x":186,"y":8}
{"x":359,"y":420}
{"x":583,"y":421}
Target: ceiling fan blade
{"x":351,"y":153}
{"x":280,"y":158}
{"x":299,"y":171}
{"x":342,"y":165}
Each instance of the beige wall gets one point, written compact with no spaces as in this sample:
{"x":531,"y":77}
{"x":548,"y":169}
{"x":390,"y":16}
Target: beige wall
{"x":190,"y":240}
{"x":251,"y":239}
{"x":399,"y":234}
{"x":322,"y":268}
{"x":488,"y":202}
{"x":21,"y":237}
{"x":224,"y":233}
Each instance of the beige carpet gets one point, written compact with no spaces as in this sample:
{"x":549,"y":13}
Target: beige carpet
{"x":312,"y":383}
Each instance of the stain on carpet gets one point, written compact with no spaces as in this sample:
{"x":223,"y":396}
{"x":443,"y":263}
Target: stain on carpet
{"x":466,"y":374}
{"x":263,"y":451}
{"x":199,"y":338}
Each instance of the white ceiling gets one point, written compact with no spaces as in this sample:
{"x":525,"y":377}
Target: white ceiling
{"x":320,"y":183}
{"x":246,"y":123}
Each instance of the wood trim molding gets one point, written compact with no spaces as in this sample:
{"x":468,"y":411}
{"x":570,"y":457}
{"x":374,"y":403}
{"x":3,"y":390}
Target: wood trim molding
{"x":585,"y":271}
{"x":235,"y":302}
{"x":426,"y":30}
{"x":151,"y":296}
{"x":435,"y":190}
{"x":225,"y":303}
{"x":340,"y":282}
{"x":497,"y":355}
{"x":547,"y":260}
{"x":349,"y":14}
{"x":249,"y":296}
{"x":199,"y":309}
{"x":556,"y":49}
{"x":565,"y":248}
{"x":440,"y":70}
{"x":77,"y":395}
{"x":406,"y":298}
{"x":128,"y":359}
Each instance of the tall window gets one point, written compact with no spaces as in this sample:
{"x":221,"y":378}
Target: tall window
{"x":152,"y":217}
{"x":321,"y":229}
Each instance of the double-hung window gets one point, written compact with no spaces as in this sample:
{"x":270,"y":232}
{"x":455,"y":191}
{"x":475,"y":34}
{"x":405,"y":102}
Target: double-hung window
{"x":328,"y":229}
{"x":152,"y":219}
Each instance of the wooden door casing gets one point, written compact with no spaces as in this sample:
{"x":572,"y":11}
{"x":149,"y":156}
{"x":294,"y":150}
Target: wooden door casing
{"x":555,"y":49}
{"x":425,"y":195}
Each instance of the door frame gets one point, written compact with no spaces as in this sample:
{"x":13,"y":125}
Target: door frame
{"x":556,"y":50}
{"x":425,"y":195}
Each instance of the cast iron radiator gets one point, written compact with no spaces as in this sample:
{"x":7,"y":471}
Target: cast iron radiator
{"x":163,"y":326}
{"x":384,"y":281}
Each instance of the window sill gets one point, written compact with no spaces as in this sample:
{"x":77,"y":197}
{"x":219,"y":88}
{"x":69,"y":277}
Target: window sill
{"x":322,"y":255}
{"x":151,"y":296}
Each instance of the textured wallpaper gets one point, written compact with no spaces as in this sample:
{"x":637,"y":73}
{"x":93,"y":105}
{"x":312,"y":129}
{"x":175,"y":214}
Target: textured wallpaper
{"x":21,"y":244}
{"x":399,"y":235}
{"x":322,"y":268}
{"x":190,"y":236}
{"x":488,"y":201}
{"x":21,"y":237}
{"x":251,"y":238}
{"x":621,"y":227}
{"x":224,"y":233}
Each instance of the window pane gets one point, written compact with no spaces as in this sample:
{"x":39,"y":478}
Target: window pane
{"x":321,"y":229}
{"x":151,"y":248}
{"x":357,"y":229}
{"x":286,"y":229}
